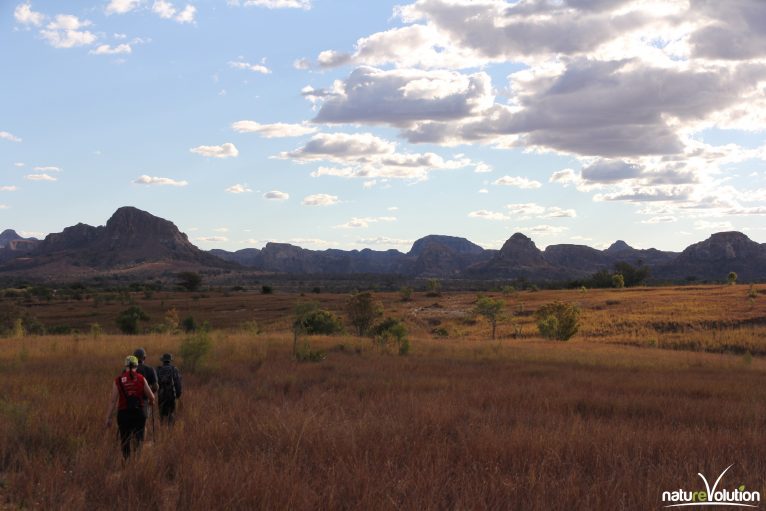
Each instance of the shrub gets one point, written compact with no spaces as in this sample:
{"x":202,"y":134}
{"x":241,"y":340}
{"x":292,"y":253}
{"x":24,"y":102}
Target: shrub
{"x":732,"y":278}
{"x":558,"y":320}
{"x":188,"y":324}
{"x":189,"y":280}
{"x":434,"y":288}
{"x":306,"y":354}
{"x":405,"y":293}
{"x":267,"y":290}
{"x":128,"y":319}
{"x":618,"y":281}
{"x":390,"y":331}
{"x":194,"y":349}
{"x":363,"y":310}
{"x":95,"y":330}
{"x":322,"y":322}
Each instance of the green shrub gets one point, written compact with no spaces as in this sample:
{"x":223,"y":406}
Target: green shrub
{"x":128,"y":319}
{"x":362,"y":310}
{"x":321,"y":322}
{"x":267,"y":290}
{"x":188,"y":324}
{"x":405,"y":293}
{"x":306,"y":354}
{"x":194,"y":349}
{"x":558,"y":320}
{"x":391,"y":331}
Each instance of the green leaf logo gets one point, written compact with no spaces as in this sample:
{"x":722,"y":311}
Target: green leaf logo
{"x":742,"y":488}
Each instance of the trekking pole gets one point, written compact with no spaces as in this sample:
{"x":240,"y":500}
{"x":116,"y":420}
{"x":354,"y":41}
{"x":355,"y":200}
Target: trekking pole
{"x":154,"y":427}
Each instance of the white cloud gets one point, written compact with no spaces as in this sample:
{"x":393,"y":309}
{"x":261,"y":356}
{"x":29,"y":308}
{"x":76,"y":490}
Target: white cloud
{"x":320,"y":199}
{"x":363,"y":223}
{"x":19,"y":164}
{"x":382,"y":240}
{"x":221,"y":229}
{"x":4,"y":135}
{"x":160,"y":181}
{"x":47,"y":168}
{"x":276,"y":195}
{"x":518,"y":182}
{"x":705,"y":225}
{"x":659,"y":220}
{"x":66,"y":31}
{"x":275,"y":130}
{"x":482,"y":168}
{"x":543,"y":230}
{"x":532,"y":210}
{"x":122,"y":6}
{"x":8,"y":188}
{"x":40,"y":177}
{"x":302,"y":64}
{"x":340,"y":147}
{"x":274,"y":4}
{"x":105,"y":49}
{"x":256,"y":68}
{"x":167,"y":10}
{"x":401,"y":96}
{"x":26,"y":16}
{"x":483,"y":190}
{"x":238,"y":188}
{"x":227,"y":150}
{"x":211,"y":239}
{"x":488,"y":215}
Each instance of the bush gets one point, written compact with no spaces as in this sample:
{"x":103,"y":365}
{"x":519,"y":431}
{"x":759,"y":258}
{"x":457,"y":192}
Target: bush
{"x":128,"y":319}
{"x":391,"y":330}
{"x":406,"y":293}
{"x":194,"y":349}
{"x":618,"y":281}
{"x":267,"y":290}
{"x":321,"y":322}
{"x":558,"y":320}
{"x":189,"y":280}
{"x":363,"y":310}
{"x":491,"y":309}
{"x":188,"y":324}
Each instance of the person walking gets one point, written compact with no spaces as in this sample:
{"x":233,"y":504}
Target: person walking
{"x":151,"y":378}
{"x":129,"y":392}
{"x":170,"y":388}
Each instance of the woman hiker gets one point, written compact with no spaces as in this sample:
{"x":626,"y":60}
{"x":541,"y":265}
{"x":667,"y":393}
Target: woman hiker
{"x":129,"y":391}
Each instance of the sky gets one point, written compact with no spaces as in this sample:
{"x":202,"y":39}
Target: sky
{"x":348,"y":124}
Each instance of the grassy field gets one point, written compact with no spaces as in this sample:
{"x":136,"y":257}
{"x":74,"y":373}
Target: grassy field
{"x":608,"y":420}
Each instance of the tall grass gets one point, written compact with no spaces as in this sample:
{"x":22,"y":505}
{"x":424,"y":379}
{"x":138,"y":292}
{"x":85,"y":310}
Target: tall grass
{"x":459,"y":424}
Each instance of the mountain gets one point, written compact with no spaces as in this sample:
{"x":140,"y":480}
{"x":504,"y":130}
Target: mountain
{"x":715,"y":257}
{"x":134,"y":241}
{"x":131,"y":239}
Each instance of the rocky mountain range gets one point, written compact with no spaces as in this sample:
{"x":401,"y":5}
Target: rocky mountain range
{"x":136,"y":241}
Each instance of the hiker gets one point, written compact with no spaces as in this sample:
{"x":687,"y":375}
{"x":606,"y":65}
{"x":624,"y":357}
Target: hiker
{"x":149,"y":375}
{"x":169,"y":380}
{"x":128,"y":394}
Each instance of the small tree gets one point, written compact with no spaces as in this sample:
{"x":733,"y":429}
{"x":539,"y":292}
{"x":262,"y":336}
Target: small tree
{"x":731,"y":278}
{"x":558,"y":320}
{"x":194,"y":348}
{"x":389,"y":330}
{"x":128,"y":319}
{"x":434,"y":287}
{"x":189,"y":280}
{"x":491,"y":309}
{"x":618,"y":281}
{"x":406,"y":293}
{"x":363,"y":310}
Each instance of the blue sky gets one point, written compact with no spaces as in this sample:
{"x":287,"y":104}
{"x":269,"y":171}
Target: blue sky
{"x":370,"y":124}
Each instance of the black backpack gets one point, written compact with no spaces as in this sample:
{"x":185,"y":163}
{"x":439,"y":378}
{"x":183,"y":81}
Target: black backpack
{"x":166,"y":382}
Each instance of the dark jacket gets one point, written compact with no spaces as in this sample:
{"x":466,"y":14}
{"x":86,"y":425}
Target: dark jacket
{"x":177,"y":383}
{"x":148,"y":373}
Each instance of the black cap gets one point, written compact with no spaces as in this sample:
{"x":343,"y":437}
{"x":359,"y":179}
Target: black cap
{"x":140,"y":354}
{"x":166,"y":357}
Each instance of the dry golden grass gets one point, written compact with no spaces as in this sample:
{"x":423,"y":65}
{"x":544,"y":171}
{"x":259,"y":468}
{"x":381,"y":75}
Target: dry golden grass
{"x":460,"y":423}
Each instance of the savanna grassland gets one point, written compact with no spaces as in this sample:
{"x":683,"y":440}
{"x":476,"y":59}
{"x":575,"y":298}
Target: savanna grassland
{"x":658,"y":385}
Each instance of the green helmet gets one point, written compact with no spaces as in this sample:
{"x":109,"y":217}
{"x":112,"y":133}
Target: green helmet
{"x":131,"y":361}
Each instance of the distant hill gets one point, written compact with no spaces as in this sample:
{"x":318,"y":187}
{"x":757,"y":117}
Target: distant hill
{"x":131,"y":239}
{"x":135,"y":241}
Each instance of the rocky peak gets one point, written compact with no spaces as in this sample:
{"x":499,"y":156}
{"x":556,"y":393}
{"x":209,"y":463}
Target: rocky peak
{"x":618,"y":246}
{"x":451,"y":243}
{"x":520,"y":246}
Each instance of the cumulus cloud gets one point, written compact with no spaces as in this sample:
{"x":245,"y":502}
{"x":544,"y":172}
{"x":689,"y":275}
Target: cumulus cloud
{"x":402,"y":96}
{"x":227,"y":150}
{"x":105,"y":49}
{"x":517,"y":182}
{"x":542,"y":230}
{"x":158,"y":181}
{"x":238,"y":188}
{"x":167,"y":10}
{"x":275,"y":130}
{"x":610,"y":171}
{"x":4,"y":135}
{"x":40,"y":177}
{"x":122,"y":6}
{"x":47,"y":168}
{"x":660,"y":220}
{"x":341,"y":147}
{"x":320,"y":199}
{"x":274,"y":4}
{"x":8,"y":188}
{"x":488,"y":215}
{"x":67,"y":31}
{"x":26,"y":16}
{"x":532,"y":210}
{"x":363,"y":223}
{"x":277,"y":195}
{"x":211,"y":239}
{"x":255,"y":68}
{"x":733,"y":30}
